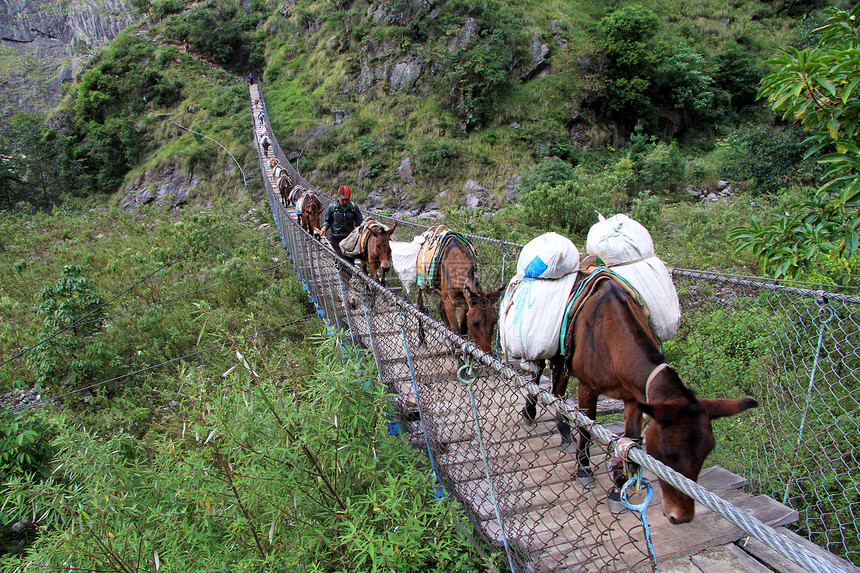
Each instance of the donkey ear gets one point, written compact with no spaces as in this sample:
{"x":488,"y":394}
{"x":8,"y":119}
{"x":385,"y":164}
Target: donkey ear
{"x":391,"y":230}
{"x":718,"y":408}
{"x":495,"y":295}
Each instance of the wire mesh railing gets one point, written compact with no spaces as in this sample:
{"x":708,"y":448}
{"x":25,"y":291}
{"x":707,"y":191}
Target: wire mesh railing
{"x":794,"y":350}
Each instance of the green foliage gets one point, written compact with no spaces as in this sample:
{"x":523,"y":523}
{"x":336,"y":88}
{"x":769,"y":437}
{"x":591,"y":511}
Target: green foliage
{"x":646,"y":209}
{"x":25,"y":447}
{"x":479,"y":72}
{"x":265,"y":473}
{"x":552,"y":171}
{"x":437,"y":158}
{"x":768,"y":159}
{"x":72,"y":313}
{"x":631,"y":43}
{"x":662,"y":168}
{"x":29,"y":170}
{"x":685,"y":81}
{"x":817,"y":88}
{"x":571,"y":206}
{"x":738,"y":73}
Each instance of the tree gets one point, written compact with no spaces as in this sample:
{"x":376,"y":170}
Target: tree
{"x":29,"y":169}
{"x":817,"y":88}
{"x":633,"y":49}
{"x":72,"y":312}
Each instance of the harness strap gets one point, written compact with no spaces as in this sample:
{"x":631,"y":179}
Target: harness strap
{"x":657,"y":369}
{"x":639,"y":260}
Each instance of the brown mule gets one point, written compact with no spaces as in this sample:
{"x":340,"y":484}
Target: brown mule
{"x":285,"y":185}
{"x":456,"y":287}
{"x":375,"y":254}
{"x":611,"y":350}
{"x":311,"y":210}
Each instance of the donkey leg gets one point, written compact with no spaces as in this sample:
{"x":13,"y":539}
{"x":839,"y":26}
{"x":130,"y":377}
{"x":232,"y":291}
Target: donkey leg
{"x":529,"y":411}
{"x":422,"y":305}
{"x":588,"y":403}
{"x":584,"y":473}
{"x":560,"y":378}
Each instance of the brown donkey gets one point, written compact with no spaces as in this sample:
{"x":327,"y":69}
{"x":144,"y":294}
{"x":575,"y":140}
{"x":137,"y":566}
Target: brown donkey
{"x":456,"y":287}
{"x":308,"y":210}
{"x":611,"y":350}
{"x":375,"y":254}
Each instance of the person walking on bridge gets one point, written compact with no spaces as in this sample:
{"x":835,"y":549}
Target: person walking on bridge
{"x":341,"y":218}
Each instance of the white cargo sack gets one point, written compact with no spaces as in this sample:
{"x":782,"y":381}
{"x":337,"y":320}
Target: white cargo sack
{"x":404,"y":259}
{"x":530,"y":317}
{"x":626,"y":247}
{"x":549,"y":256}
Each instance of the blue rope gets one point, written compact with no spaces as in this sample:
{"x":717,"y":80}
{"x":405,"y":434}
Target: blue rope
{"x":468,"y":380}
{"x":346,"y":311}
{"x":822,"y":304}
{"x":641,"y":509}
{"x":400,"y":320}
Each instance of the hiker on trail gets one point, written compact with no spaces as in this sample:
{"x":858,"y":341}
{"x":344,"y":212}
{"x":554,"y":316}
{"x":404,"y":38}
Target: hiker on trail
{"x":261,"y":116}
{"x":341,"y":218}
{"x":250,"y":79}
{"x":266,"y":143}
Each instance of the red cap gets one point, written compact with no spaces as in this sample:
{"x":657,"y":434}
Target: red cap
{"x":343,"y":191}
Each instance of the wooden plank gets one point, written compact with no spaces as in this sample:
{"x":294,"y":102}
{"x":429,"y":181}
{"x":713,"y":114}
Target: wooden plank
{"x":775,"y":560}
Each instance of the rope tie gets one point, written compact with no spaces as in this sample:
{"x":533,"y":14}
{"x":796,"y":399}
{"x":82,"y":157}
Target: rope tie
{"x":821,"y":301}
{"x":639,"y":483}
{"x":466,"y":375}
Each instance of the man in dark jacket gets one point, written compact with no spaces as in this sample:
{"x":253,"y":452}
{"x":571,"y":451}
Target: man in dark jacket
{"x":341,"y":218}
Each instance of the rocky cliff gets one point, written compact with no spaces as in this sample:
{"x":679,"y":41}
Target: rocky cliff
{"x":46,"y":42}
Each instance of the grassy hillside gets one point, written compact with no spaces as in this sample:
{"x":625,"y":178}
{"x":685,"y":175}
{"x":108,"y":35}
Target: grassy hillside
{"x":470,"y":113}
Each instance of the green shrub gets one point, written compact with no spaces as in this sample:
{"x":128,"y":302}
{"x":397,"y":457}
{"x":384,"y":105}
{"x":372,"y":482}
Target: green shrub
{"x":552,"y":170}
{"x":662,"y":169}
{"x":437,"y":157}
{"x":25,"y":446}
{"x":768,"y":159}
{"x":291,"y":470}
{"x":75,"y":348}
{"x":571,"y":207}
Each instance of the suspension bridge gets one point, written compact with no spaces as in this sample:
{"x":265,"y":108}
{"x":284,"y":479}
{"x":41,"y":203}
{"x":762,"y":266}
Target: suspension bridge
{"x":514,"y":480}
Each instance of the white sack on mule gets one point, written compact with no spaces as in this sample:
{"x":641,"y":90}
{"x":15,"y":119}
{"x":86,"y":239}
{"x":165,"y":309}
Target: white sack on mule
{"x":530,"y":317}
{"x":548,"y":256}
{"x":626,"y":247}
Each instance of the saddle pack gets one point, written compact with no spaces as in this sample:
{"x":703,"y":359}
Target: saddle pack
{"x":428,"y":256}
{"x":356,"y":242}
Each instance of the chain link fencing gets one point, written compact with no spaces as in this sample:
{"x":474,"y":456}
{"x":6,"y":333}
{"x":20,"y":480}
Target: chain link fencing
{"x":794,"y":350}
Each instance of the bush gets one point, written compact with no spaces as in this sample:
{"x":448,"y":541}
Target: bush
{"x":75,"y":348}
{"x":25,"y":447}
{"x":552,"y":171}
{"x":437,"y":157}
{"x":768,"y":159}
{"x":662,"y":169}
{"x":289,"y":470}
{"x":571,"y":207}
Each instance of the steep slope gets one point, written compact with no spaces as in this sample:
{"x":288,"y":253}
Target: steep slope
{"x":44,"y":43}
